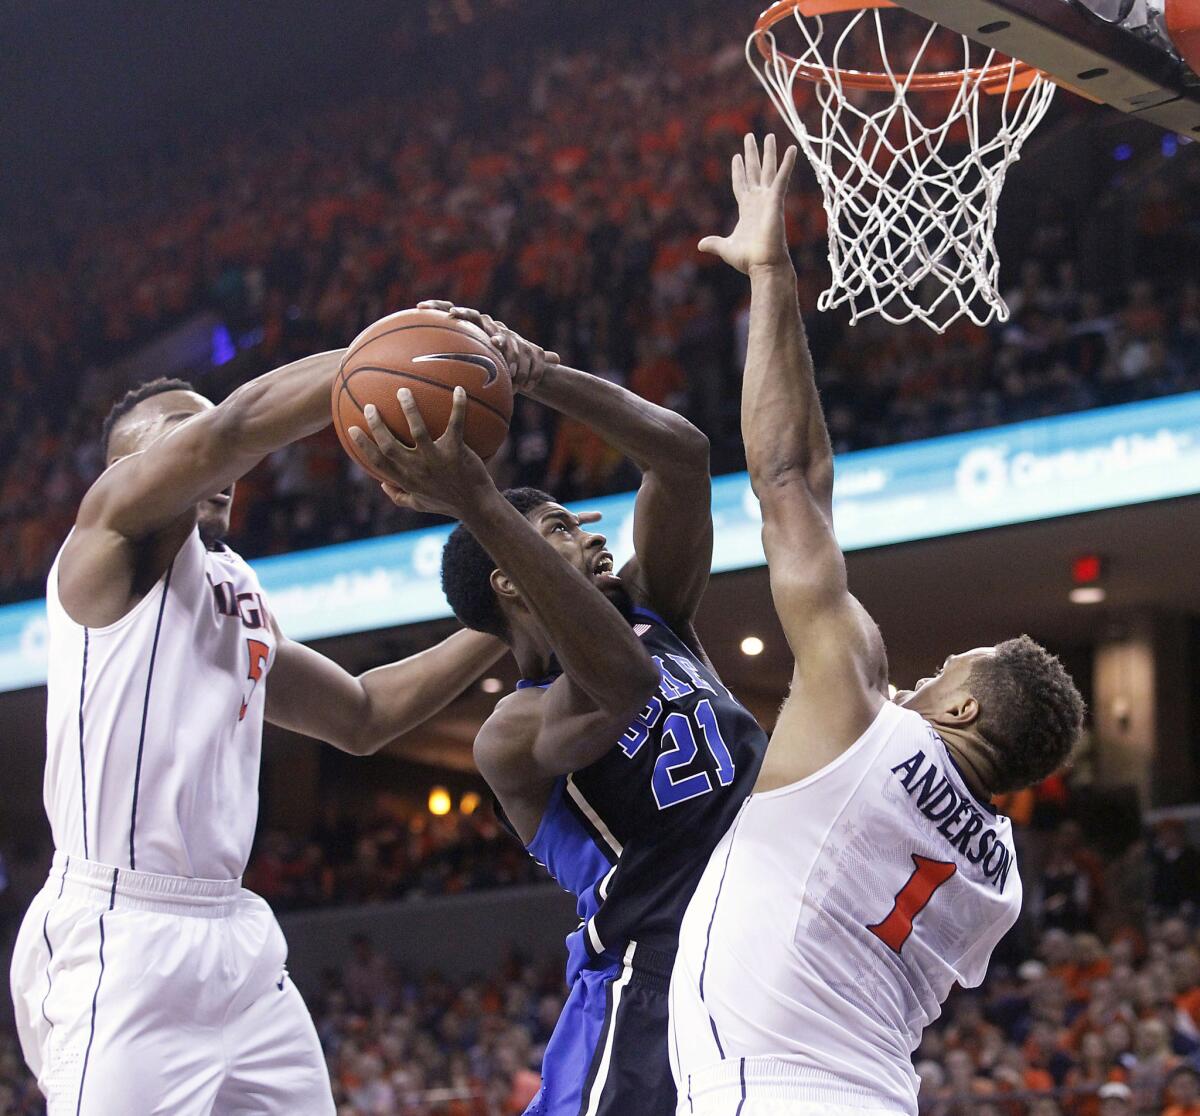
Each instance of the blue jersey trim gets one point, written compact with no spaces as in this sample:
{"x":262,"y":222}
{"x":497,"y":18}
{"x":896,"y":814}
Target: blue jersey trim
{"x":650,"y":614}
{"x":536,"y":683}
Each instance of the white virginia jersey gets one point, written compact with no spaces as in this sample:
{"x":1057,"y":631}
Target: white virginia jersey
{"x":835,"y":916}
{"x":154,"y":723}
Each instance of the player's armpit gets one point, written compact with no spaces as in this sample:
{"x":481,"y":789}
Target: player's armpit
{"x":504,"y":755}
{"x":838,"y":687}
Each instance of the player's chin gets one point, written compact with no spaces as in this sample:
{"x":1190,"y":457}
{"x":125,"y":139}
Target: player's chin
{"x":614,"y":589}
{"x":213,"y":520}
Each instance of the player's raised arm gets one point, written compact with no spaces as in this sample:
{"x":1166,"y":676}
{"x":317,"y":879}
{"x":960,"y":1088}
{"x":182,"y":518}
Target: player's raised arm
{"x":311,"y":694}
{"x":207,"y":452}
{"x":839,"y":656}
{"x":156,"y":485}
{"x":599,"y":693}
{"x":672,"y":527}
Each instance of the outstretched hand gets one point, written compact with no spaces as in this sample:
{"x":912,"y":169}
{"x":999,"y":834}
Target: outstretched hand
{"x":759,"y":185}
{"x":527,"y":362}
{"x":444,"y":476}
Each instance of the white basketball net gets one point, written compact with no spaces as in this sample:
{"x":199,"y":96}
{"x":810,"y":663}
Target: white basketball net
{"x":912,"y":217}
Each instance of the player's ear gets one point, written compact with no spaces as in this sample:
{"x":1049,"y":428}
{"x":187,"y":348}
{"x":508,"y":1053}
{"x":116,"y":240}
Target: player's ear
{"x":502,"y":586}
{"x":962,"y":710}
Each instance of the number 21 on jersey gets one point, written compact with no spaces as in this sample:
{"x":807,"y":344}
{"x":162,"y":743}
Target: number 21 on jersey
{"x":679,"y":731}
{"x":928,"y":875}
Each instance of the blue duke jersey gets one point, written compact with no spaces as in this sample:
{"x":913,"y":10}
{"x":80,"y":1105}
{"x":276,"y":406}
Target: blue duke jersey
{"x":631,"y":834}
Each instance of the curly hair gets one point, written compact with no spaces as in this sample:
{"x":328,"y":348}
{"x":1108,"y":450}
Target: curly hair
{"x":131,"y":399}
{"x":1030,"y":711}
{"x":467,"y":570}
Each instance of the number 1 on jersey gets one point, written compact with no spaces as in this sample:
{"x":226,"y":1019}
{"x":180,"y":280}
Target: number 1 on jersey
{"x":928,"y":875}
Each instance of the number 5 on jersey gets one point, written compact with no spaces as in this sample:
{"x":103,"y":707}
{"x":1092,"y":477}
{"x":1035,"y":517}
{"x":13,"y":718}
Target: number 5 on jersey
{"x":259,"y":654}
{"x":928,"y":875}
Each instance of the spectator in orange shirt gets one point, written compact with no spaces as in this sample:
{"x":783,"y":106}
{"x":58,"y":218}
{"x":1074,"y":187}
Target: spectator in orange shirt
{"x":1089,"y":963}
{"x":1182,"y":1093}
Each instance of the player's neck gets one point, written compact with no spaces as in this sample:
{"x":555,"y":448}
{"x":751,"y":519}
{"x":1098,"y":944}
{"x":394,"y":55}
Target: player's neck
{"x":531,"y":648}
{"x":972,"y":765}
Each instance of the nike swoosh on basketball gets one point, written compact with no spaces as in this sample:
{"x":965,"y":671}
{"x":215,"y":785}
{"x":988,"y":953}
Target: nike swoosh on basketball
{"x":484,"y":362}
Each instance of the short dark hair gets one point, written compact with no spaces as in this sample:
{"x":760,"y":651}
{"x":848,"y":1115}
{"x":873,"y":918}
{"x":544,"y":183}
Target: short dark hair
{"x":131,"y":399}
{"x":467,"y":570}
{"x":1030,"y":712}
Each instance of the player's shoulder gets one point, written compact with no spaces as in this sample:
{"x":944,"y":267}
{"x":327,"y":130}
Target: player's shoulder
{"x":515,"y":716}
{"x":503,"y":748}
{"x":223,"y":555}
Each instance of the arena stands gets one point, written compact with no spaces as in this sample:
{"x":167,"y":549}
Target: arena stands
{"x":295,"y":234}
{"x":351,"y":859}
{"x":1098,"y":987}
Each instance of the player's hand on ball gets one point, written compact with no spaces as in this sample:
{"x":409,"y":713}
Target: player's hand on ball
{"x":760,"y":186}
{"x":442,"y":476}
{"x":527,"y":362}
{"x":486,"y":322}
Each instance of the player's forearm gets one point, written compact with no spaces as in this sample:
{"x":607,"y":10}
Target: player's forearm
{"x":782,"y":424}
{"x":402,"y":696}
{"x":591,"y":640}
{"x":283,"y":405}
{"x":654,"y":438}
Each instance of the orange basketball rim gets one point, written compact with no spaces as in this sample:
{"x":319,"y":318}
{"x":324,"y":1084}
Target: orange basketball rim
{"x":998,"y":77}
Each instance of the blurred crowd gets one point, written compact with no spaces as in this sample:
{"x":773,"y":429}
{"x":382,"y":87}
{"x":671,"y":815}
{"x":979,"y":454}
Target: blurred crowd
{"x":433,"y":1047}
{"x":1091,"y":1006}
{"x":566,"y":196}
{"x":386,"y":855}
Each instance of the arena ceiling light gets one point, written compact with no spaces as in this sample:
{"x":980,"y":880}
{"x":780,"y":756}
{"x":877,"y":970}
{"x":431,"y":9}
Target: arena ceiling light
{"x":491,"y":685}
{"x":1087,"y":594}
{"x":752,"y":645}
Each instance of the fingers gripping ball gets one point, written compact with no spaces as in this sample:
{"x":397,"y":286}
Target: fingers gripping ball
{"x":430,"y":353}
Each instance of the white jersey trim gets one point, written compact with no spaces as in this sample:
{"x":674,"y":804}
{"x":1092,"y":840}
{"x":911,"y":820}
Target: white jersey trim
{"x":606,"y":1058}
{"x":590,"y":813}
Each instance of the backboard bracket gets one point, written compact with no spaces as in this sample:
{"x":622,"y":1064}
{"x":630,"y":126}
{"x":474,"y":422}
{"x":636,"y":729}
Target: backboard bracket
{"x":1083,"y":52}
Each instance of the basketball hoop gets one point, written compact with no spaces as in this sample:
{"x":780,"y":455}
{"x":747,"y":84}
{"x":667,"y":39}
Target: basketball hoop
{"x":911,"y":204}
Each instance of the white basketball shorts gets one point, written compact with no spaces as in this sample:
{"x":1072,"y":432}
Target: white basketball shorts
{"x":140,"y":994}
{"x":764,"y":1086}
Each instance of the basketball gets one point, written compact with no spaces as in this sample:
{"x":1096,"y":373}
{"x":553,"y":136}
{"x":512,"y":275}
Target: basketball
{"x":430,"y":353}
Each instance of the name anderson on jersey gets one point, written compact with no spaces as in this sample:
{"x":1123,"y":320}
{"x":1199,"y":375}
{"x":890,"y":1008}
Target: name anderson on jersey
{"x":962,"y":823}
